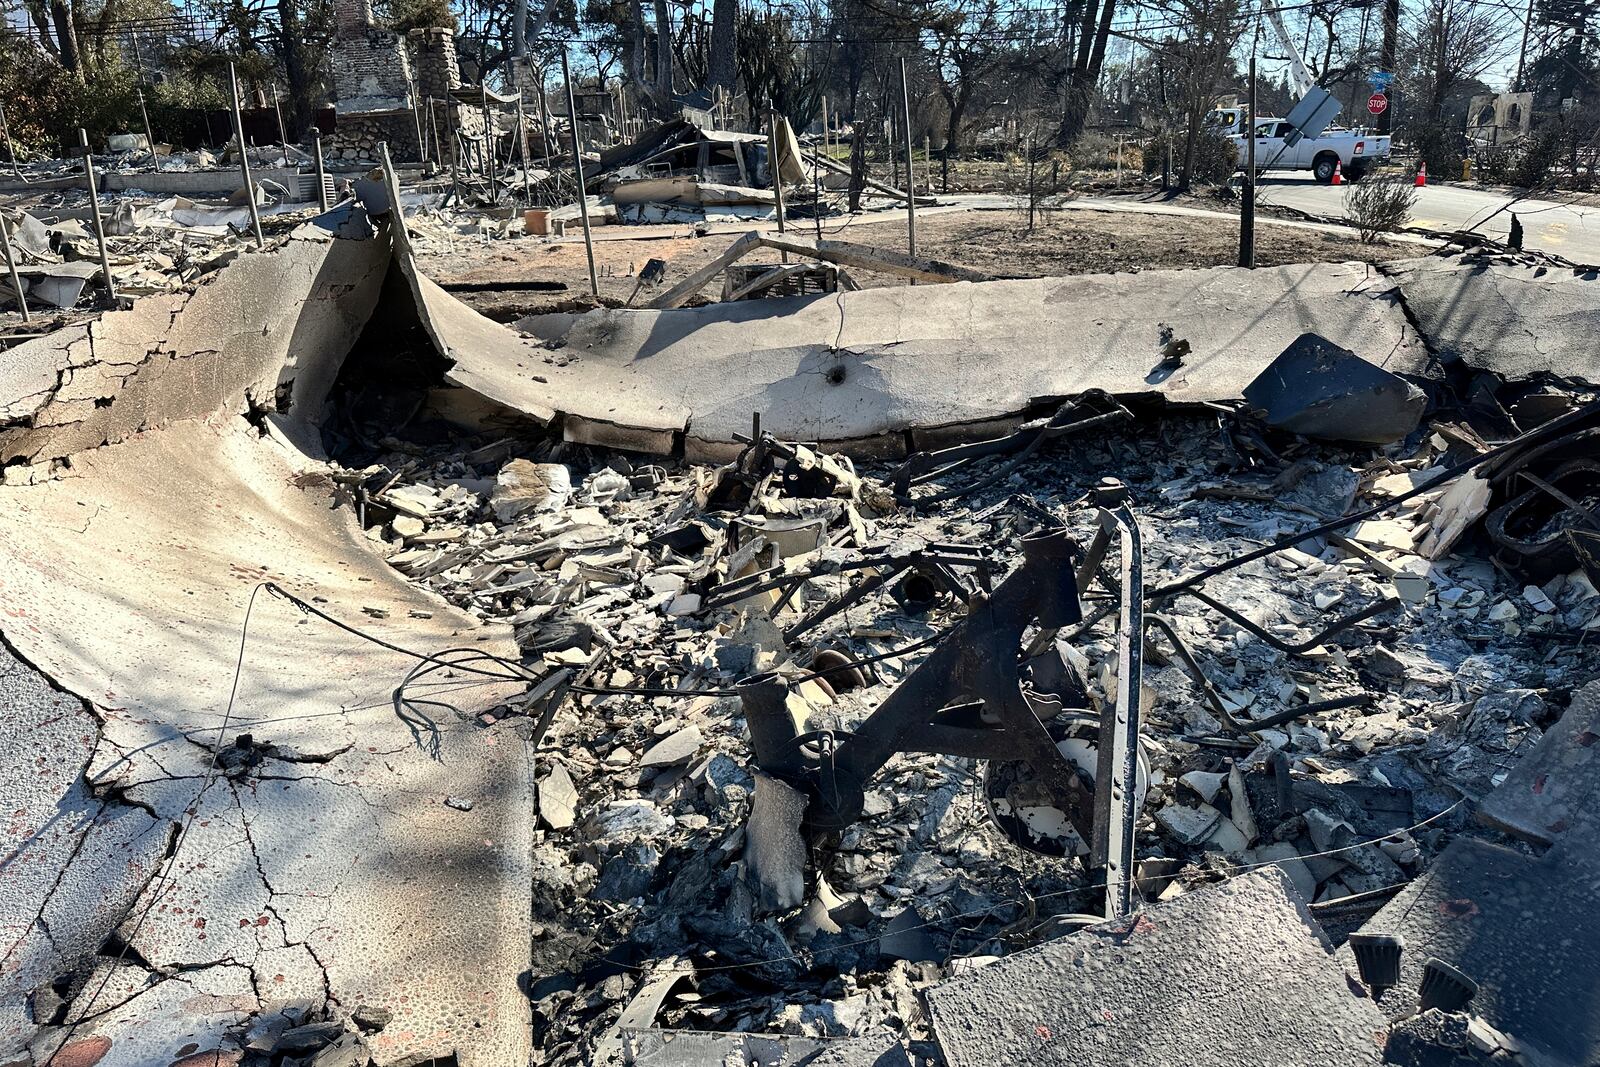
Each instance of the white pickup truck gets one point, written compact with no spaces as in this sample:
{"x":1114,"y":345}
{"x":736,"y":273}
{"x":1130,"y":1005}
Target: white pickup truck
{"x":1356,"y":149}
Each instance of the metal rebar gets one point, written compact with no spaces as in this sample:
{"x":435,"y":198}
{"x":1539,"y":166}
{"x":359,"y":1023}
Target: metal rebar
{"x":244,"y":157}
{"x":11,"y":265}
{"x":577,"y":166}
{"x":94,"y":213}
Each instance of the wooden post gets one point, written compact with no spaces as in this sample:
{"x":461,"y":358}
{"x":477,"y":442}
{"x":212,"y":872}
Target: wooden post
{"x":244,"y":157}
{"x":94,"y":213}
{"x":149,"y":137}
{"x":1247,"y":206}
{"x":283,"y":134}
{"x":522,"y":146}
{"x":11,"y":265}
{"x":911,"y":181}
{"x":322,"y":173}
{"x":577,"y":166}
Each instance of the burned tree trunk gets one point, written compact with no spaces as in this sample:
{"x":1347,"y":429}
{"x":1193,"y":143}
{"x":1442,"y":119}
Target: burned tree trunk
{"x":722,"y":70}
{"x":1085,"y":73}
{"x":663,"y":49}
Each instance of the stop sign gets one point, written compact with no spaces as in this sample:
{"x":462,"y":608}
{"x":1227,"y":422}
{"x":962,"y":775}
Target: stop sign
{"x":1376,"y":103}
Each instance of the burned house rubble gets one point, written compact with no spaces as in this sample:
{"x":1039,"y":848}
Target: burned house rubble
{"x":1068,"y":670}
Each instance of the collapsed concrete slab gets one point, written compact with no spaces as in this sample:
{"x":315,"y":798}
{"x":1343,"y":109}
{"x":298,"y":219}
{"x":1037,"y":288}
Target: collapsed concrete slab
{"x":1237,"y":973}
{"x":1554,"y":791}
{"x":1519,"y":927}
{"x":1516,"y":320}
{"x":315,"y":857}
{"x":858,"y":370}
{"x":268,"y":331}
{"x":328,"y":867}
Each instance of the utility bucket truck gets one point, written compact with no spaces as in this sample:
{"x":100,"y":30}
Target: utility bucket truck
{"x":1303,"y":140}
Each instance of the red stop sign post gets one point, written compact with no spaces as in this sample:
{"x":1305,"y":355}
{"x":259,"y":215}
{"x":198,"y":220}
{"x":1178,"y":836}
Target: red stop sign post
{"x":1376,"y":103}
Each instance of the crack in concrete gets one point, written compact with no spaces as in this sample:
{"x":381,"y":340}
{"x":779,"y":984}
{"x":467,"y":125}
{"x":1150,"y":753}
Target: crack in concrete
{"x":272,"y":893}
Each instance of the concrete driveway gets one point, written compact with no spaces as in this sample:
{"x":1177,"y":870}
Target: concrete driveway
{"x":1553,"y":226}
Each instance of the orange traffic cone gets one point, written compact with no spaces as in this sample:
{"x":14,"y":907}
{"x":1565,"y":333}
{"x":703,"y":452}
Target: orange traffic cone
{"x":1422,"y":174}
{"x":1338,"y":173}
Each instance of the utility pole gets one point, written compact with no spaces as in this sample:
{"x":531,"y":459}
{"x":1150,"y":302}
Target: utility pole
{"x":1247,"y":207}
{"x":244,"y":157}
{"x":911,"y":183}
{"x":94,"y":213}
{"x":1386,"y":58}
{"x":1522,"y":56}
{"x":577,"y":166}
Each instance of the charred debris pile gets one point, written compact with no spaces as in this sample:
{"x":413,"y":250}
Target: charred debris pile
{"x":819,"y":744}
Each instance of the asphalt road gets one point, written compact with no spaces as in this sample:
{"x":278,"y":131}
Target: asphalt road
{"x":1549,"y":226}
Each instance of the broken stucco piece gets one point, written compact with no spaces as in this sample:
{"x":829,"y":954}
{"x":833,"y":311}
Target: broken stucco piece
{"x":266,"y":332}
{"x":162,"y":540}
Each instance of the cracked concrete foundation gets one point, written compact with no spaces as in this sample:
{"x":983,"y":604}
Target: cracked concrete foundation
{"x":324,"y":864}
{"x":327,"y":871}
{"x":266,"y":332}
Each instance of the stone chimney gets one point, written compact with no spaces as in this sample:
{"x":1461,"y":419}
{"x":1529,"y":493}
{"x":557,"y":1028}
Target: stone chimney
{"x":371,"y":71}
{"x":433,"y":55}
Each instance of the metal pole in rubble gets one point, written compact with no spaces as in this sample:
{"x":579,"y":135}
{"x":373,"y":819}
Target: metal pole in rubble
{"x":94,"y":213}
{"x":577,"y":166}
{"x":416,"y":115}
{"x":522,"y":147}
{"x":911,"y":183}
{"x":773,"y":170}
{"x":490,"y":163}
{"x":1247,"y":206}
{"x":149,"y":136}
{"x":244,"y":158}
{"x":433,"y":131}
{"x":283,"y":134}
{"x":825,"y":128}
{"x":322,"y":173}
{"x":11,"y":265}
{"x":11,"y":149}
